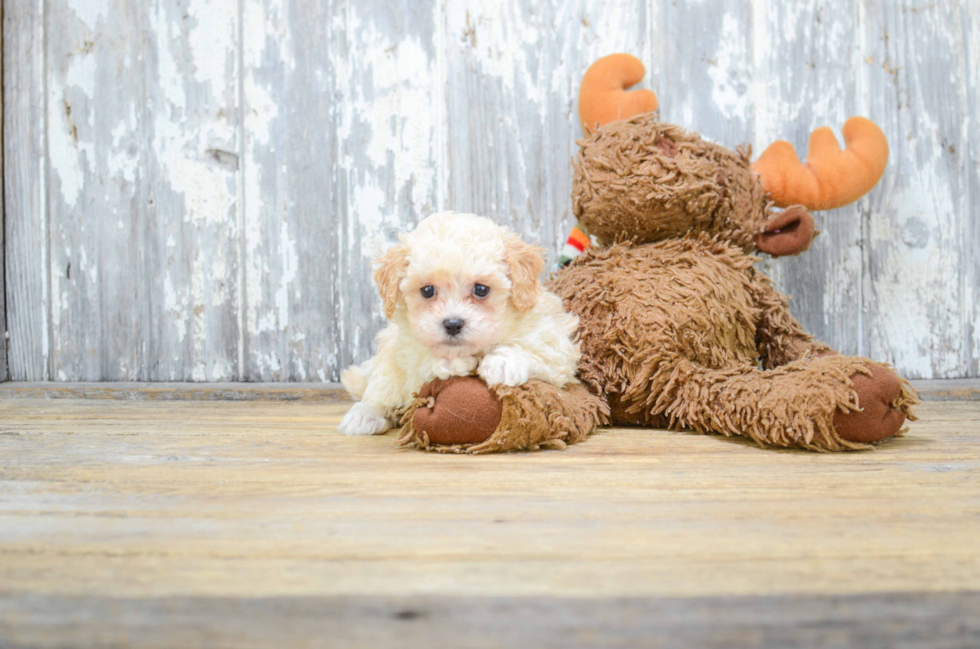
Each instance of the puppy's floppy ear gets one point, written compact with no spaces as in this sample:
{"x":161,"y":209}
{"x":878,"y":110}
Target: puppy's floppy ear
{"x":524,"y":262}
{"x":388,"y":271}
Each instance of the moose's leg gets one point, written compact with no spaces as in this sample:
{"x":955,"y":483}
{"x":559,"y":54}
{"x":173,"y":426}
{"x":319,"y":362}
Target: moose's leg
{"x":463,"y":415}
{"x":779,"y":337}
{"x":813,"y":403}
{"x":884,"y":399}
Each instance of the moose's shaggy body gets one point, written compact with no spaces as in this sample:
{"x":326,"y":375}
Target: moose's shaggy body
{"x":675,"y":332}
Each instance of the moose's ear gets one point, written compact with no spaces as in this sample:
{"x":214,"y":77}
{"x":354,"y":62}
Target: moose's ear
{"x":524,"y":263}
{"x":789,"y":232}
{"x":389,"y":269}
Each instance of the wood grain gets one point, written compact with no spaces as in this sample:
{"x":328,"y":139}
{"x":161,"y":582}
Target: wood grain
{"x":928,"y":620}
{"x":25,"y":193}
{"x":194,"y":190}
{"x":511,"y":104}
{"x":231,"y":391}
{"x":971,"y":262}
{"x":260,"y":498}
{"x":142,"y":135}
{"x":919,"y":62}
{"x":188,"y":305}
{"x":117,"y":517}
{"x":4,"y":374}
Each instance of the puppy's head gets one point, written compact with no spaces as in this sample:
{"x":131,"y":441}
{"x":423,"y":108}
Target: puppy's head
{"x":460,"y":278}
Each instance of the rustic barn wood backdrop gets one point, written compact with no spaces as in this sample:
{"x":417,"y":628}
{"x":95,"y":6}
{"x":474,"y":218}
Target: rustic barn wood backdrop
{"x":194,"y":189}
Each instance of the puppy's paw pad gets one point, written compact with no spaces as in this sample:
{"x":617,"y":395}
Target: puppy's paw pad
{"x":508,"y":370}
{"x":363,"y":419}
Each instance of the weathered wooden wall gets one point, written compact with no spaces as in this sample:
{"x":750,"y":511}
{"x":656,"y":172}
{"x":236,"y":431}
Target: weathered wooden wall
{"x":194,"y":188}
{"x":3,"y":292}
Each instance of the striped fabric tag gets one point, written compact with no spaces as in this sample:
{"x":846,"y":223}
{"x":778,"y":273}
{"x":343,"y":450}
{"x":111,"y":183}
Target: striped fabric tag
{"x":578,"y":242}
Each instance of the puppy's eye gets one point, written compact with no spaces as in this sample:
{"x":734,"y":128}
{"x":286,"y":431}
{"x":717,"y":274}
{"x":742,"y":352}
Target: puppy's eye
{"x":479,"y":290}
{"x":428,"y":291}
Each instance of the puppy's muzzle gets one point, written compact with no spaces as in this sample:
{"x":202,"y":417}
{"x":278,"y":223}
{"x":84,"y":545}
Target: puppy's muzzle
{"x":453,"y":326}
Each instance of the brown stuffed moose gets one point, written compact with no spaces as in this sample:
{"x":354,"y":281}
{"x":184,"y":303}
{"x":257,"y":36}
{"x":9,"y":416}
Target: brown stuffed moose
{"x":678,"y":328}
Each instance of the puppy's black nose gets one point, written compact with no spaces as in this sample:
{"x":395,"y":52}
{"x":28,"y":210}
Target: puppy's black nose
{"x":453,"y":325}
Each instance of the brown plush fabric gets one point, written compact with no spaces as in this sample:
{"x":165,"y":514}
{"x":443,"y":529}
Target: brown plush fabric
{"x":676,"y":324}
{"x":787,"y":233}
{"x":695,"y":297}
{"x":878,"y":417}
{"x":676,"y":330}
{"x":460,"y":410}
{"x":792,"y":405}
{"x":646,"y":180}
{"x":533,"y":416}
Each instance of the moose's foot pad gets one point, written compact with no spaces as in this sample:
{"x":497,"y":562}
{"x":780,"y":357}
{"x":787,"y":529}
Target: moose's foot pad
{"x":463,"y":415}
{"x":884,"y":400}
{"x":459,"y":410}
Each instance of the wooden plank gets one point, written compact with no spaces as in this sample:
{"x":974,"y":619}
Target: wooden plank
{"x":25,"y":160}
{"x":511,"y":95}
{"x":929,"y":620}
{"x":947,"y":389}
{"x":189,"y":310}
{"x":970,"y":19}
{"x":4,"y":374}
{"x":919,"y":242}
{"x":255,"y":523}
{"x":94,"y":107}
{"x":295,"y":202}
{"x":143,"y":193}
{"x":809,"y":56}
{"x":260,"y":499}
{"x":142,"y":391}
{"x":704,"y":61}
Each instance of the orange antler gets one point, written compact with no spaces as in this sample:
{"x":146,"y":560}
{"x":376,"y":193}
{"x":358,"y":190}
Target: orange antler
{"x":602,"y":97}
{"x":830,"y":177}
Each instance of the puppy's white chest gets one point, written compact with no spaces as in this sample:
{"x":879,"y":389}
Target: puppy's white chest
{"x":444,"y":368}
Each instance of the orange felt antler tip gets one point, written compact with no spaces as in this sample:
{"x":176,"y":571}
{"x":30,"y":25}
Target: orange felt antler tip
{"x":603,"y":96}
{"x":830,"y":177}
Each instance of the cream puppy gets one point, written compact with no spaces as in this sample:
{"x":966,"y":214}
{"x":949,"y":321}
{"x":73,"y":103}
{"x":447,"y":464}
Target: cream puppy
{"x":461,"y":294}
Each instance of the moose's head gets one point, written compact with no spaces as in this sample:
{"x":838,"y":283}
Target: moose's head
{"x":642,"y":179}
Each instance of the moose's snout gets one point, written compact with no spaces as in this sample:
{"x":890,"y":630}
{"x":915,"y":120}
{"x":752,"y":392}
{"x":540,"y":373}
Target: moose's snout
{"x":453,"y":325}
{"x":787,"y":233}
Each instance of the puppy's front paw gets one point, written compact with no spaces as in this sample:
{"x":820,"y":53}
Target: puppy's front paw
{"x":509,"y":369}
{"x":363,"y":419}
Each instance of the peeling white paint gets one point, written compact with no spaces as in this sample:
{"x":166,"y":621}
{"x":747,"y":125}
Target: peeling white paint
{"x":391,"y":122}
{"x":66,"y":149}
{"x":462,"y":105}
{"x":90,"y":12}
{"x":289,"y":259}
{"x":122,"y":162}
{"x":731,"y":83}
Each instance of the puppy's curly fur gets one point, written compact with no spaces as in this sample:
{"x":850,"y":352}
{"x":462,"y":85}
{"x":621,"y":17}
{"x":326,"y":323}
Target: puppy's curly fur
{"x":462,"y":295}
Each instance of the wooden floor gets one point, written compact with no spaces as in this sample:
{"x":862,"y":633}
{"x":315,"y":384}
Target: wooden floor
{"x":251,"y":523}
